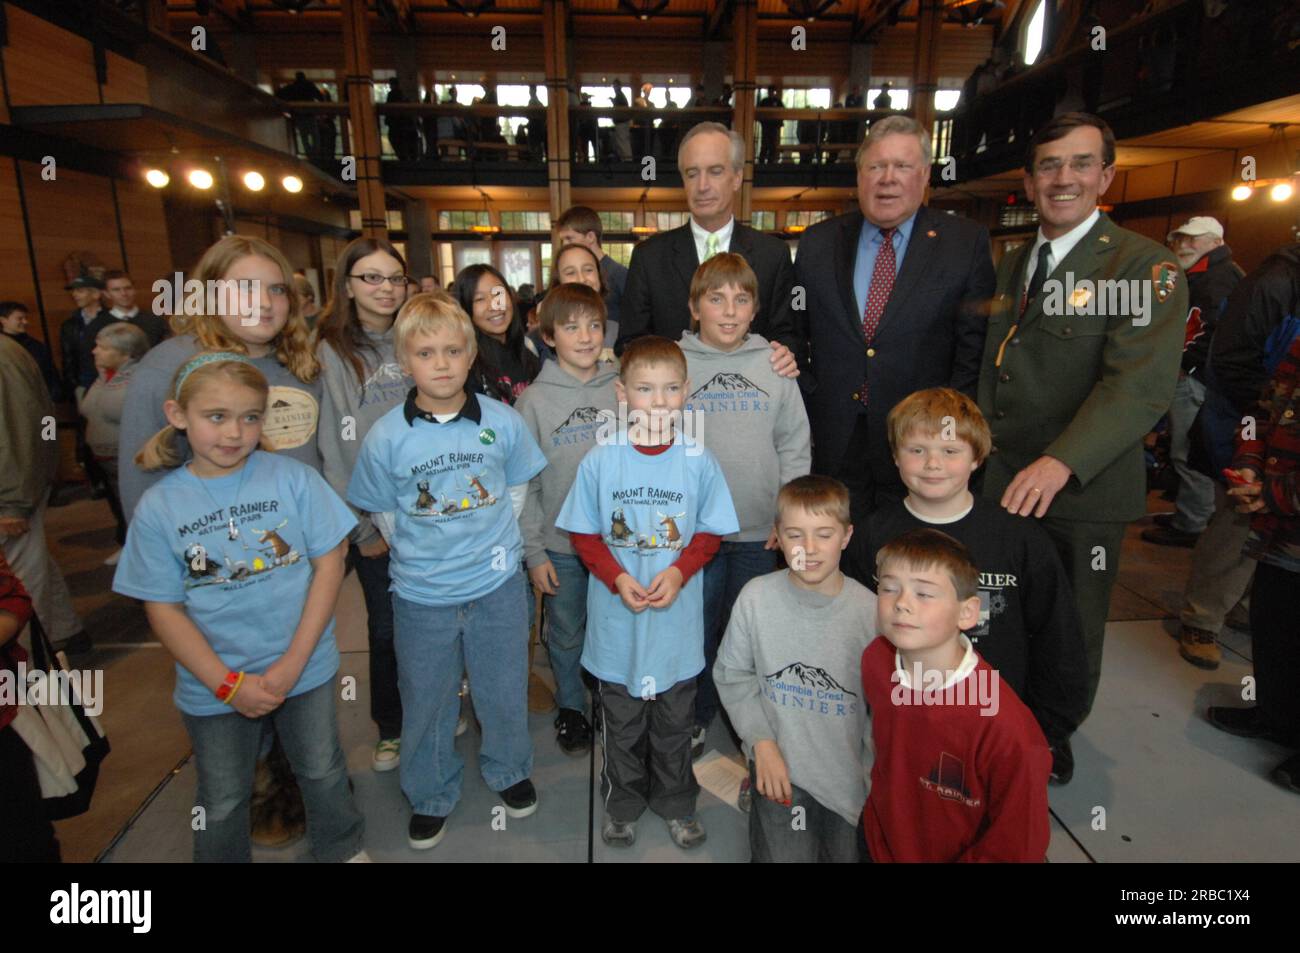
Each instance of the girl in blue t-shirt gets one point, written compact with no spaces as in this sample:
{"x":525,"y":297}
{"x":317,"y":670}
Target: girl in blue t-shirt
{"x":238,"y":555}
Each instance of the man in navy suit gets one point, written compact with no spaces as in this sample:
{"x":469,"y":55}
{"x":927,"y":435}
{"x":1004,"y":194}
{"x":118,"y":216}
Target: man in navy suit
{"x":884,"y":320}
{"x":656,"y":298}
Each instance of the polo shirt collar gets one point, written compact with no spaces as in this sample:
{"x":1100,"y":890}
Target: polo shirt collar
{"x":470,"y":411}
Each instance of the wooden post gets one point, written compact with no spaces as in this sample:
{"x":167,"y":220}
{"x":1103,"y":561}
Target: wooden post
{"x":559,"y":150}
{"x":925,"y":65}
{"x":366,"y":145}
{"x":745,"y":36}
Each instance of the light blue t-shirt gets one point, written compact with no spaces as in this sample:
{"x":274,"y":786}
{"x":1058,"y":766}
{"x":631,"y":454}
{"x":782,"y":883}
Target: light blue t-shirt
{"x":448,"y":484}
{"x":647,"y":508}
{"x":236,"y":551}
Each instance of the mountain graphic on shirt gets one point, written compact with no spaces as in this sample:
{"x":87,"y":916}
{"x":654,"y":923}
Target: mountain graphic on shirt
{"x":583,"y":415}
{"x":724,"y":380}
{"x":809,"y":675}
{"x":386,"y":374}
{"x":280,"y":402}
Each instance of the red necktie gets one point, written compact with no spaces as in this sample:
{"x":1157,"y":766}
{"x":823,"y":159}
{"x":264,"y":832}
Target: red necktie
{"x":882,"y":284}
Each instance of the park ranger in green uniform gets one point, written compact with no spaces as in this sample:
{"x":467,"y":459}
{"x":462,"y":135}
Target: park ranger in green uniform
{"x":1084,"y":340}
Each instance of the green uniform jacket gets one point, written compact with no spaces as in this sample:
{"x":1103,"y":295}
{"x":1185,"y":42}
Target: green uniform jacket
{"x":1084,"y":388}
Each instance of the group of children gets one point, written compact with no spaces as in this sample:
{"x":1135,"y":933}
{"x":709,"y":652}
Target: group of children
{"x":649,"y":505}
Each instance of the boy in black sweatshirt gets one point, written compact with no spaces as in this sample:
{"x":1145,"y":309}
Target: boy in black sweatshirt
{"x":1028,"y":627}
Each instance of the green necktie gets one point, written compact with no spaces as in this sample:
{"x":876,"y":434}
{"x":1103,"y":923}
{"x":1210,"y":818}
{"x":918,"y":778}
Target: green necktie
{"x":711,"y":246}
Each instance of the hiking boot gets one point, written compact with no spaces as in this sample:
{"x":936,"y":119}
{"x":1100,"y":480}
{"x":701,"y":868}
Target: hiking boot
{"x":618,"y":833}
{"x":686,"y":832}
{"x":572,"y":733}
{"x":1199,"y":646}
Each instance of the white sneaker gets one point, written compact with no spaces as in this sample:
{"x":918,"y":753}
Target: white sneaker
{"x":388,"y":754}
{"x":462,"y":724}
{"x":112,"y":560}
{"x":360,"y":857}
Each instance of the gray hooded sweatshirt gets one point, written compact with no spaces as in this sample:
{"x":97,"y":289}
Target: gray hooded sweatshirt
{"x":349,"y":408}
{"x":563,"y":415}
{"x":754,"y":422}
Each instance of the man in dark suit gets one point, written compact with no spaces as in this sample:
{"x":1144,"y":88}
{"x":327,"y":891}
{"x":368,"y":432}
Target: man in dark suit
{"x":656,"y":298}
{"x":885,"y":320}
{"x":1074,"y":373}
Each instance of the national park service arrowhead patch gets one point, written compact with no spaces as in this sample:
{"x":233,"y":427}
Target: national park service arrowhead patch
{"x":1165,"y":278}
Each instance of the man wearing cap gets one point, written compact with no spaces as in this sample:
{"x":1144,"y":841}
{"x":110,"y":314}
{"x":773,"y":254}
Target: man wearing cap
{"x":77,"y":334}
{"x":1075,"y":374}
{"x":1211,"y":276}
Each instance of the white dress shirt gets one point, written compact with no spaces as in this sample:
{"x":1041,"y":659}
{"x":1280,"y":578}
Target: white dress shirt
{"x":1060,"y":246}
{"x":701,"y":236}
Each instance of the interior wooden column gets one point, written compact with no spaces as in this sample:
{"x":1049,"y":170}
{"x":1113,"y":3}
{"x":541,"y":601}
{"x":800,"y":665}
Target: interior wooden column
{"x":745,"y":37}
{"x":366,"y":146}
{"x":559,"y":150}
{"x":925,"y":66}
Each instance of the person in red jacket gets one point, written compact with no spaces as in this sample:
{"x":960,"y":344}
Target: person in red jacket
{"x":961,"y":765}
{"x":26,"y":834}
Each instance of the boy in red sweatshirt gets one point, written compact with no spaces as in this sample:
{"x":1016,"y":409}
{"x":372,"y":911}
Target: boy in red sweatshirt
{"x":961,"y":765}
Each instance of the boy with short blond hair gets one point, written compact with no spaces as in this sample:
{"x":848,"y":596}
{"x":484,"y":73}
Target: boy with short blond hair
{"x":788,"y":673}
{"x":448,"y":465}
{"x":564,"y":409}
{"x":754,"y":421}
{"x":647,"y":510}
{"x":961,"y":767}
{"x":1028,"y":626}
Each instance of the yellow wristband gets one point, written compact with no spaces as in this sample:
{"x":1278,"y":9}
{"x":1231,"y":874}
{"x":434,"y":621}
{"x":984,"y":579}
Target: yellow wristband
{"x":238,"y":681}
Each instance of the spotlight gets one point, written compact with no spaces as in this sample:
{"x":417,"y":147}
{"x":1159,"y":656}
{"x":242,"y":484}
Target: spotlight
{"x":1242,"y":192}
{"x":157,"y":178}
{"x":291,"y":183}
{"x":254,"y":182}
{"x":200,"y":178}
{"x":1281,"y":192}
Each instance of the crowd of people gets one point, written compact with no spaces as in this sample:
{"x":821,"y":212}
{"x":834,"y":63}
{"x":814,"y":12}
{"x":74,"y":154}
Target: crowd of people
{"x":892,"y":504}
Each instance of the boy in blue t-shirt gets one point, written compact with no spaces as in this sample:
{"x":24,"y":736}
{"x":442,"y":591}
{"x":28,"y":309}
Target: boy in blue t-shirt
{"x":647,"y":511}
{"x":453,"y":469}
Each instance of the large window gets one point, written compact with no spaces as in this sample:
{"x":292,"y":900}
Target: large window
{"x":805,"y":217}
{"x":666,"y":220}
{"x":621,"y":252}
{"x":525,"y":221}
{"x":461,"y":220}
{"x":394,"y":220}
{"x":472,"y":253}
{"x":898,"y":98}
{"x":764,"y":221}
{"x":519,"y":96}
{"x":517,"y":263}
{"x":617,"y":221}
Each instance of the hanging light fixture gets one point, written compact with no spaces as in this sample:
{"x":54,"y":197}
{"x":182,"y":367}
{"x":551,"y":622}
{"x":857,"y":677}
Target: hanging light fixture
{"x":157,"y":178}
{"x":808,"y":9}
{"x":472,"y":8}
{"x":644,"y":9}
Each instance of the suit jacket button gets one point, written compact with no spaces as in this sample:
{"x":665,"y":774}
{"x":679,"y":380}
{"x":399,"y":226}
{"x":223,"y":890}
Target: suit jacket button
{"x":871,"y":352}
{"x":1067,"y":331}
{"x":1000,"y":414}
{"x":1005,"y":378}
{"x":1015,"y":341}
{"x":855,"y":397}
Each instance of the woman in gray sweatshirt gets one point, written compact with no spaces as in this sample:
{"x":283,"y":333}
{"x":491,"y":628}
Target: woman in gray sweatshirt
{"x":361,"y":381}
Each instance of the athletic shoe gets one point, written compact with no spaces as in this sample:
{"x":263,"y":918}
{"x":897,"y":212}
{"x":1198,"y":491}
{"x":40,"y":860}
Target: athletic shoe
{"x":360,"y":857}
{"x":425,"y":831}
{"x":388,"y":755}
{"x":1062,"y":763}
{"x":1163,"y":519}
{"x":572,"y":733}
{"x":618,"y":833}
{"x":520,"y":799}
{"x":1242,"y":722}
{"x":698,"y":734}
{"x":686,"y":832}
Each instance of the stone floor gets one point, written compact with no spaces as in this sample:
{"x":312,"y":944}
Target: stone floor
{"x":1153,"y":782}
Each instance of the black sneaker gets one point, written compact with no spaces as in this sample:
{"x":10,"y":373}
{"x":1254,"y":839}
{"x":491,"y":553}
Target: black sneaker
{"x":520,"y":799}
{"x":699,"y":734}
{"x":1062,"y":763}
{"x":572,"y":733}
{"x":1287,"y":774}
{"x":425,"y":831}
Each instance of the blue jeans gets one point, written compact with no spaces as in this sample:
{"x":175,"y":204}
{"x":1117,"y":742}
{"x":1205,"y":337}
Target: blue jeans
{"x":385,"y":703}
{"x":565,"y":621}
{"x":226,"y":748}
{"x":488,"y":638}
{"x":724,"y":577}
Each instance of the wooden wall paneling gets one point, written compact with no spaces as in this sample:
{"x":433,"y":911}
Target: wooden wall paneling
{"x":15,"y":263}
{"x":128,"y":81}
{"x":46,"y":65}
{"x":72,"y":213}
{"x":144,"y":232}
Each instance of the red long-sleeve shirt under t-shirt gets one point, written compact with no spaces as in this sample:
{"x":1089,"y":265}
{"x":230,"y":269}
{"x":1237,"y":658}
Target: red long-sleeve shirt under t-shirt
{"x":950,"y":783}
{"x":600,"y":562}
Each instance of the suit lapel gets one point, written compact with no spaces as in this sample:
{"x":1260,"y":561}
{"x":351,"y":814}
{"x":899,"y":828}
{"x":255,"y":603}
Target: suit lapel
{"x":685,"y":258}
{"x":921,"y":247}
{"x":846,"y":256}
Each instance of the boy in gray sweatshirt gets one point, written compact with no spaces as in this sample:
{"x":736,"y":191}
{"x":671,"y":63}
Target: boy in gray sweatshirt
{"x":755,"y":423}
{"x":788,"y":673}
{"x":564,"y":408}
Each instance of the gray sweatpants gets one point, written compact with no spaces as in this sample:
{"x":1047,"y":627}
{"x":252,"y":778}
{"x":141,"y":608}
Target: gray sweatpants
{"x":647,"y":752}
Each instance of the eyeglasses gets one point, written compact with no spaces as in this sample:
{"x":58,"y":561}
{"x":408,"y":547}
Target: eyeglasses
{"x":374,"y":278}
{"x":1081,"y":164}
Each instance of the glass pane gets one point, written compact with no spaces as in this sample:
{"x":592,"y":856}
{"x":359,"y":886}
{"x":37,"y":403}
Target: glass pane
{"x":476,"y":253}
{"x":517,"y":263}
